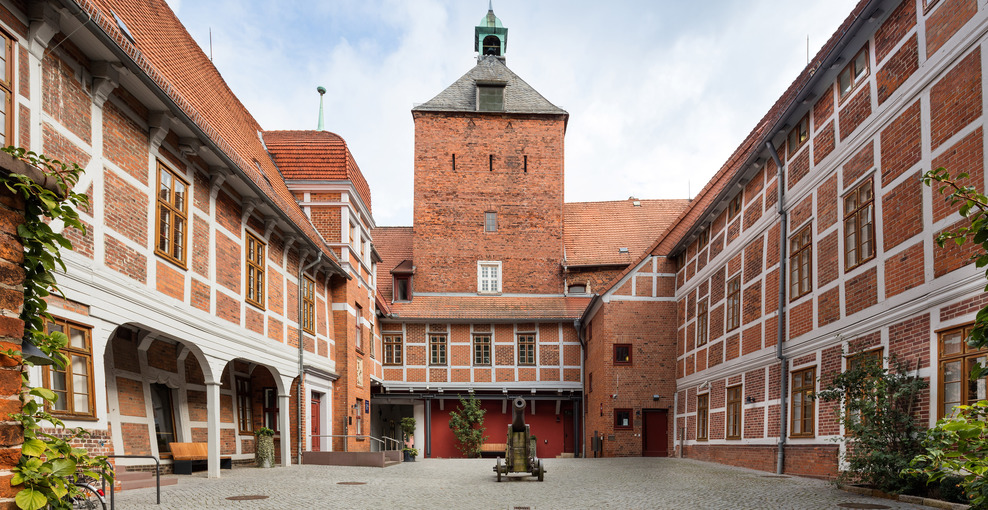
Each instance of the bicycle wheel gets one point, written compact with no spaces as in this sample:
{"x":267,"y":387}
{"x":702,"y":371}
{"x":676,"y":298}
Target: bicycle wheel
{"x":89,"y":498}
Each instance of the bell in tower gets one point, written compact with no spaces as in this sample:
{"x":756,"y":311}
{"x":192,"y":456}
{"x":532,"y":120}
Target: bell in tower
{"x":490,"y":37}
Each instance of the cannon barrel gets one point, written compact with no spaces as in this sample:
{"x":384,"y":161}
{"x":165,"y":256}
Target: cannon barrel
{"x":518,"y":415}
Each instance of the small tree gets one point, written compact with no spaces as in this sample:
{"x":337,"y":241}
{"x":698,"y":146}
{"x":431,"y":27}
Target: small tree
{"x":467,"y":424}
{"x":881,"y":435}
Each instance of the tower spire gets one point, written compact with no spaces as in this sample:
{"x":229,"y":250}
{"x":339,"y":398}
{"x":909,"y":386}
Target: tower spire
{"x":490,"y":37}
{"x":322,"y":91}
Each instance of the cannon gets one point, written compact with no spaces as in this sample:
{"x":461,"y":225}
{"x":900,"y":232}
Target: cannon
{"x":519,"y":452}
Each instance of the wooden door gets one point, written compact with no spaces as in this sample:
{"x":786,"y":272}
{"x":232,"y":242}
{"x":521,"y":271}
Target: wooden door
{"x":655,"y":439}
{"x":314,"y":419}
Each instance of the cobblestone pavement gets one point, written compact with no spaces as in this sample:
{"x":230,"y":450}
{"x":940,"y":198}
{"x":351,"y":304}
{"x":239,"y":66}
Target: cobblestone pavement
{"x":639,"y":483}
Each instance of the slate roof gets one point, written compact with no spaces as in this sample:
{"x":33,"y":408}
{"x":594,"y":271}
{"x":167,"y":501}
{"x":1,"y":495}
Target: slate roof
{"x":313,"y":155}
{"x":395,"y":246}
{"x":593,"y":232}
{"x":165,"y":52}
{"x":519,"y":97}
{"x":509,"y":308}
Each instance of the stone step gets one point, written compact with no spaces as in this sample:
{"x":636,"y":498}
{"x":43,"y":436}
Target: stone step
{"x":389,"y":463}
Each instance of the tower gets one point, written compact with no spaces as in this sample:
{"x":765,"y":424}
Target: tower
{"x":490,"y":37}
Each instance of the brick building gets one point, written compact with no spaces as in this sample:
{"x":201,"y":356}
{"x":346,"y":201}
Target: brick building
{"x":218,"y":288}
{"x":812,"y":245}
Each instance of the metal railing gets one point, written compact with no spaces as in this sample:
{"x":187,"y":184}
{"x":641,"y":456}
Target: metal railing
{"x":157,"y":475}
{"x":384,"y":442}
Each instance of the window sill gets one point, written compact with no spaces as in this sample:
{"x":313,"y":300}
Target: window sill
{"x":73,"y":417}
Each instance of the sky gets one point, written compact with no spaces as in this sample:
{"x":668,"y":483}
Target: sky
{"x":659,"y":92}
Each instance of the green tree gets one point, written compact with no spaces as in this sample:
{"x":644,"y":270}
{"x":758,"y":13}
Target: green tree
{"x":881,"y":434}
{"x":467,"y":424}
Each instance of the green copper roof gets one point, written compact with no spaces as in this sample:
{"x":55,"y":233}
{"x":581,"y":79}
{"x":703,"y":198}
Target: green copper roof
{"x":490,"y":26}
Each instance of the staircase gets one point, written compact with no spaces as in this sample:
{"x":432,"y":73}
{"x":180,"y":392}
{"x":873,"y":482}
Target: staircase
{"x":139,"y":479}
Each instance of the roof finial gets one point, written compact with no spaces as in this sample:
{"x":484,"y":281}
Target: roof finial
{"x":490,"y":5}
{"x":322,"y":91}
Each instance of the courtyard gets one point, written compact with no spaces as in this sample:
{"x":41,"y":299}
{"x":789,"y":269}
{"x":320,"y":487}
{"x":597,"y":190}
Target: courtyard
{"x":659,"y":483}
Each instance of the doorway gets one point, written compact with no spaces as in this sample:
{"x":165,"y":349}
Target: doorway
{"x":655,"y":440}
{"x":315,"y":414}
{"x":164,"y":418}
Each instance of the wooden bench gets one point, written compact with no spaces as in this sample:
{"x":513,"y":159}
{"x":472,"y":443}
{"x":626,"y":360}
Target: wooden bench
{"x":189,"y":457}
{"x":493,"y":449}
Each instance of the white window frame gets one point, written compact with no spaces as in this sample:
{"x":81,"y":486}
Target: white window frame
{"x":481,"y":264}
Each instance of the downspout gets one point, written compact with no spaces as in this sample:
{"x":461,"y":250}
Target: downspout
{"x":783,"y":369}
{"x":301,"y":349}
{"x":583,"y":394}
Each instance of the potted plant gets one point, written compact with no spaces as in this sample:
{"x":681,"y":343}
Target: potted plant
{"x":408,"y":430}
{"x":264,"y":450}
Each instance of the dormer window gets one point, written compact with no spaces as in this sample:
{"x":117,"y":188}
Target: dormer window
{"x":402,"y":288}
{"x":490,"y":97}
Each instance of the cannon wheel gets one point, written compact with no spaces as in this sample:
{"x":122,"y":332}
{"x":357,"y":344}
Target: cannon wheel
{"x":541,"y":470}
{"x":498,"y":469}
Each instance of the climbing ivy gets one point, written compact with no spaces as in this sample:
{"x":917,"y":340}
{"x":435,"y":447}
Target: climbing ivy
{"x":49,"y":464}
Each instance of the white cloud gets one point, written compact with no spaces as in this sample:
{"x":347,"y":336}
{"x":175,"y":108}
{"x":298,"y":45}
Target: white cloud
{"x":659,"y":92}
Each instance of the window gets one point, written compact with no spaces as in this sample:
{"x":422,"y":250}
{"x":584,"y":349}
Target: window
{"x":73,"y":384}
{"x":308,"y":305}
{"x":358,"y":333}
{"x":526,"y":349}
{"x":359,"y":421}
{"x":853,"y":74}
{"x":578,"y":288}
{"x":803,"y":385}
{"x":622,"y":354}
{"x":799,"y":134}
{"x":437,"y":349}
{"x":492,"y":45}
{"x":800,"y":263}
{"x":481,"y":349}
{"x":861,"y":360}
{"x":622,"y":419}
{"x":490,"y":98}
{"x":488,"y":277}
{"x":590,"y":383}
{"x":7,"y":88}
{"x":355,"y":239}
{"x":255,"y":271}
{"x":270,"y":408}
{"x":244,"y":406}
{"x":733,"y":303}
{"x":734,"y":206}
{"x":172,"y":216}
{"x":370,"y":333}
{"x":702,"y":416}
{"x":734,"y":412}
{"x":701,"y":322}
{"x":490,"y":221}
{"x":703,"y":239}
{"x":392,"y":349}
{"x":927,"y":4}
{"x":956,"y":361}
{"x":402,"y":288}
{"x":859,"y":226}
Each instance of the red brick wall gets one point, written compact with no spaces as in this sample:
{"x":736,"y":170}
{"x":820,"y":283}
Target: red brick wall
{"x":11,"y":332}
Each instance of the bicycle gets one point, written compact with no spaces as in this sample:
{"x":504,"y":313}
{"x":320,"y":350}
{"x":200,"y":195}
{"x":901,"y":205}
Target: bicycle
{"x":90,"y":495}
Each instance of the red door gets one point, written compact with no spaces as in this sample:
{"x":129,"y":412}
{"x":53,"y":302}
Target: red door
{"x":655,"y":440}
{"x":314,"y":415}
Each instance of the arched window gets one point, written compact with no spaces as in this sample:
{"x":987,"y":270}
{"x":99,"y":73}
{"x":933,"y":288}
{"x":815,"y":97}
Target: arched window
{"x":492,"y":45}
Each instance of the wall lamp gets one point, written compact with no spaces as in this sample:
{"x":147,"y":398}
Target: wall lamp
{"x":749,"y":400}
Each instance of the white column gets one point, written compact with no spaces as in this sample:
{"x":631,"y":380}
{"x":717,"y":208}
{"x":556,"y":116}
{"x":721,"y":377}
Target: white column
{"x":213,"y":428}
{"x":285,"y":424}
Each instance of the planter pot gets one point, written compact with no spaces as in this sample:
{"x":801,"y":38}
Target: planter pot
{"x":409,"y":457}
{"x":264,"y":453}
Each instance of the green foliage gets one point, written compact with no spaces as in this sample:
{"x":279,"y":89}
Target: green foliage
{"x":957,"y":445}
{"x":408,"y":427}
{"x":973,"y":205}
{"x":264,"y":431}
{"x":49,"y":464}
{"x":411,"y":451}
{"x":881,"y":433}
{"x":467,"y":424}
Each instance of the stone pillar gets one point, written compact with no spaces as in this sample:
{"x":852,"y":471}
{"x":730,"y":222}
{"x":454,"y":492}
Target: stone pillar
{"x":213,"y":428}
{"x":285,"y":425}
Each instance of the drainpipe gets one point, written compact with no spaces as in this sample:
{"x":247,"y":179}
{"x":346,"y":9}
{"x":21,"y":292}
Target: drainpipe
{"x":578,"y":324}
{"x":784,"y":363}
{"x":301,"y":349}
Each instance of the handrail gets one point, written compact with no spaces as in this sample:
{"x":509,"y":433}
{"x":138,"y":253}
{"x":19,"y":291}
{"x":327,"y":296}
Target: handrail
{"x":395,"y":441}
{"x":364,"y":436}
{"x":157,"y":475}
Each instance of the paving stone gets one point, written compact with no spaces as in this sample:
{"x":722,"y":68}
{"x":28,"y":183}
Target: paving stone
{"x":637,"y":483}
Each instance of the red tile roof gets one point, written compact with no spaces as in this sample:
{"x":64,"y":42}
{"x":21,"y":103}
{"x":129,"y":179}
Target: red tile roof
{"x":395,"y":246}
{"x":316,"y":155}
{"x":594,"y":232}
{"x":491,"y":308}
{"x":165,"y":52}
